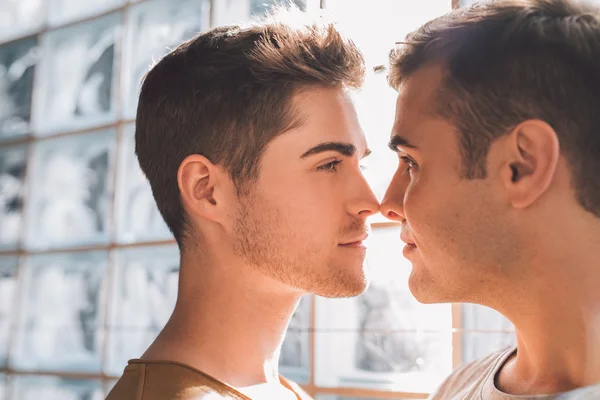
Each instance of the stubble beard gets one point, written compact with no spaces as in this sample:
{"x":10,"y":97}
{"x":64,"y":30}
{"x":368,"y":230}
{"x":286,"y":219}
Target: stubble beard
{"x":266,"y":241}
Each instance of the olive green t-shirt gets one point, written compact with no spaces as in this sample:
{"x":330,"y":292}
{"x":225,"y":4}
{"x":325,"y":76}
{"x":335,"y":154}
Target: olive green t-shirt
{"x":168,"y":380}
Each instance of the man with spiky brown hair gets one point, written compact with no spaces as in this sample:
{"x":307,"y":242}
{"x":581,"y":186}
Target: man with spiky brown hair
{"x":252,"y":147}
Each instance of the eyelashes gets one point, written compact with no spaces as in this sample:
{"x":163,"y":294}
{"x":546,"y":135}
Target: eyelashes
{"x":330,"y":166}
{"x":410,"y":163}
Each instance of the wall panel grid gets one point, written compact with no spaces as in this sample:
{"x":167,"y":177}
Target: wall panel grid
{"x":80,"y":232}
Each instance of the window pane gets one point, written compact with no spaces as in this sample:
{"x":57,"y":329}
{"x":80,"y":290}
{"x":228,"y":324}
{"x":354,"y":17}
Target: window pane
{"x":477,"y":345}
{"x":294,"y":361}
{"x":3,"y":387}
{"x":20,"y":17}
{"x":493,"y":332}
{"x":54,"y":388}
{"x":375,"y":26}
{"x":384,"y":338}
{"x":109,"y":385}
{"x":335,"y":397}
{"x":12,"y":188}
{"x":8,"y":286}
{"x":138,"y":218}
{"x":79,"y":93}
{"x":395,"y":361}
{"x":62,"y":313}
{"x":71,"y":191}
{"x":154,"y":28}
{"x":17,"y":66}
{"x":63,"y":11}
{"x":144,"y":295}
{"x":479,"y":318}
{"x":229,"y":12}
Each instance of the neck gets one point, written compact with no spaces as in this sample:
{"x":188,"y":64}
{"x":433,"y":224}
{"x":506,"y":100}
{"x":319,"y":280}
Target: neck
{"x":556,"y":313}
{"x":229,"y":321}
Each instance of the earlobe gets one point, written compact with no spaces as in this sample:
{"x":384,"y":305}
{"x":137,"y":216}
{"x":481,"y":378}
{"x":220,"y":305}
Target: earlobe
{"x":533,"y":150}
{"x":198,"y":178}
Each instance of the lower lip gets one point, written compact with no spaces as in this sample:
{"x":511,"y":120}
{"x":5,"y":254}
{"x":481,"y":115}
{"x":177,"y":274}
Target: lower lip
{"x":354,"y":245}
{"x":408,"y":249}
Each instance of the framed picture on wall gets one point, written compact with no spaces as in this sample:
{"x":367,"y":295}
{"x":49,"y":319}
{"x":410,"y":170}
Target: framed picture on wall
{"x":55,"y":388}
{"x":8,"y":287}
{"x":294,"y":360}
{"x":80,"y":93}
{"x":143,"y":297}
{"x":70,"y":191}
{"x":60,"y":326}
{"x":383,"y":339}
{"x":65,"y":11}
{"x":138,"y":218}
{"x":154,"y":28}
{"x":12,"y":186}
{"x":17,"y":66}
{"x":20,"y":17}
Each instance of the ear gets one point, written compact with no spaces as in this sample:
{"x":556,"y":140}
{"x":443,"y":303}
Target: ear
{"x":200,"y":184}
{"x":533,"y":152}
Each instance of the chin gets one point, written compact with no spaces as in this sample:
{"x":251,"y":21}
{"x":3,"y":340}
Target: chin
{"x":425,"y":291}
{"x":344,"y":292}
{"x":345,"y":284}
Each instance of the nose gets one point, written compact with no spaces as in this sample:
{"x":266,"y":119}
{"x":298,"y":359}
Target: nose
{"x":392,"y":206}
{"x":366,"y":203}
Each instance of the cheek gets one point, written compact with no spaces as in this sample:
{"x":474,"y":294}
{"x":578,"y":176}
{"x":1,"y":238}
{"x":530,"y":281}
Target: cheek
{"x":311,"y":200}
{"x":433,"y":214}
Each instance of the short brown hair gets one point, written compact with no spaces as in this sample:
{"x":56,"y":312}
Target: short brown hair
{"x":508,"y":61}
{"x":227,"y":93}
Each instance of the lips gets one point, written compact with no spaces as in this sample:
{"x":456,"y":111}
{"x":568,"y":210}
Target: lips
{"x":357,"y":241}
{"x":407,"y":238}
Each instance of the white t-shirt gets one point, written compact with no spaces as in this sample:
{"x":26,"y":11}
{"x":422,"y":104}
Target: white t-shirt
{"x":475,"y":381}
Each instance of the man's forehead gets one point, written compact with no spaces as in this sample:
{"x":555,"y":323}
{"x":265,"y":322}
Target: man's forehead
{"x":416,"y":99}
{"x":420,"y":90}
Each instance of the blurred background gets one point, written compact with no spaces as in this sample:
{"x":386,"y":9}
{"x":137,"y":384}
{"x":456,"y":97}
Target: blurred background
{"x":88,"y":269}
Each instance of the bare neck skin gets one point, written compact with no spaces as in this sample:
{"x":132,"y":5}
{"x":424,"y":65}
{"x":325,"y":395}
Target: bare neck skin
{"x":556,"y":313}
{"x":229,"y":322}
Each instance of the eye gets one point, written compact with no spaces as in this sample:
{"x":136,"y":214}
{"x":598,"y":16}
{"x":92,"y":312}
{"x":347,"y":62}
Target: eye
{"x":410,"y":164}
{"x":330,"y":166}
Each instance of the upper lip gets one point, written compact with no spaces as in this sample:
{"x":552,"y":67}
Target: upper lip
{"x":357,"y":239}
{"x":407,"y":238}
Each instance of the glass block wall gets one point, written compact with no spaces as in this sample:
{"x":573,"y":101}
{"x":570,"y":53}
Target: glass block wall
{"x":88,"y":269}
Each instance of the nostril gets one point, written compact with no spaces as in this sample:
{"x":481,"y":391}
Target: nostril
{"x":392,"y":215}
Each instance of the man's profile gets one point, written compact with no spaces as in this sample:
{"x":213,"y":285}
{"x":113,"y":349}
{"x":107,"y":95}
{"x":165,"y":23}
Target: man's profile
{"x":252,"y":147}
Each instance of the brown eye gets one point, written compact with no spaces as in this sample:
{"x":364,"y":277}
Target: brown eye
{"x":330,"y":166}
{"x":409,"y":162}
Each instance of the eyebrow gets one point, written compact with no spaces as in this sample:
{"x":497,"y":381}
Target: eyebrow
{"x":398,"y":140}
{"x":345,"y":149}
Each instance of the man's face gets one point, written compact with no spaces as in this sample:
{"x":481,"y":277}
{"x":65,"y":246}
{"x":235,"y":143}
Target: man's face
{"x":303,"y":221}
{"x":457,"y":232}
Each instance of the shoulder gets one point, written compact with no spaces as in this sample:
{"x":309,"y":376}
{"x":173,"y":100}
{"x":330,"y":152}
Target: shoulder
{"x":154,"y":380}
{"x":467,"y":379}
